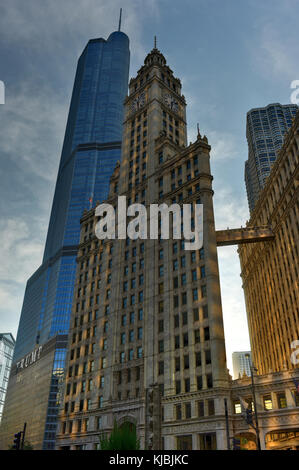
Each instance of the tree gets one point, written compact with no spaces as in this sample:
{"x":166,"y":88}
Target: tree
{"x":121,"y":438}
{"x":27,"y":446}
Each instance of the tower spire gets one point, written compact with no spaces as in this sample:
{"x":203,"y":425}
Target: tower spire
{"x":119,"y":23}
{"x":155,"y":42}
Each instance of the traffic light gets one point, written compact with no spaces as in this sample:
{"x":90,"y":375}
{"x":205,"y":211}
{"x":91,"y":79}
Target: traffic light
{"x":17,"y":441}
{"x":248,"y":416}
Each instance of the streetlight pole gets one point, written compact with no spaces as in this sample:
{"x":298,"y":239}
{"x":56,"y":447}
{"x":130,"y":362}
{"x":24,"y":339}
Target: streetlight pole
{"x":252,"y":370}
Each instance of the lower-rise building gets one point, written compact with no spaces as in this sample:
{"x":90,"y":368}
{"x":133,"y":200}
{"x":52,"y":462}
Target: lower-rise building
{"x":42,"y":371}
{"x":7,"y":344}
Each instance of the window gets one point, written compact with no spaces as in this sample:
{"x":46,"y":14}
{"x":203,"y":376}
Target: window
{"x":208,"y":441}
{"x":140,"y":314}
{"x":178,"y":412}
{"x":195,"y":294}
{"x":161,"y":346}
{"x":205,"y":311}
{"x":188,"y":410}
{"x":199,"y":382}
{"x":198,"y":359}
{"x":211,"y":407}
{"x":209,"y":381}
{"x":281,"y":400}
{"x":237,"y":408}
{"x":185,"y":339}
{"x":268,"y":402}
{"x":200,"y":409}
{"x":184,"y":442}
{"x":161,"y":368}
{"x":208,"y":356}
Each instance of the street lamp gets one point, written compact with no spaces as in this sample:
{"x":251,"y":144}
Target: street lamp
{"x":252,"y":370}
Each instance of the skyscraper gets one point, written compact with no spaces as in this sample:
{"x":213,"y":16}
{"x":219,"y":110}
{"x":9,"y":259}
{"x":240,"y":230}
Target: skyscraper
{"x":146,"y":344}
{"x":265,"y":130}
{"x":91,"y":148}
{"x":270,"y":270}
{"x":241,"y":363}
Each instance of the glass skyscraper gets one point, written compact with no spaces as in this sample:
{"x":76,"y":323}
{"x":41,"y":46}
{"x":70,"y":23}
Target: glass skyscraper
{"x":91,"y":148}
{"x":265,"y":132}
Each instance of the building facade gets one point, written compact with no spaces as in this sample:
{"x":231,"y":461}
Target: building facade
{"x":241,"y":363}
{"x":146,"y":344}
{"x":265,"y":131}
{"x":270,"y":270}
{"x":277,"y":403}
{"x":35,"y":393}
{"x":92,"y":146}
{"x":7,"y":344}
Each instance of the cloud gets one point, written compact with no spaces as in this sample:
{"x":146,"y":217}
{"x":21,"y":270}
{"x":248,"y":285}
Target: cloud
{"x":20,"y":253}
{"x":233,"y":304}
{"x":273,"y":45}
{"x":230,"y":210}
{"x":19,"y":245}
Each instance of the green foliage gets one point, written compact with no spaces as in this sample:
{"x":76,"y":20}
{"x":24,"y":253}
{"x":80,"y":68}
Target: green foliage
{"x":27,"y":446}
{"x":121,"y":438}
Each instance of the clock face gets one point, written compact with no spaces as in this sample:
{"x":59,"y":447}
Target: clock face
{"x":171,"y":102}
{"x":138,"y":102}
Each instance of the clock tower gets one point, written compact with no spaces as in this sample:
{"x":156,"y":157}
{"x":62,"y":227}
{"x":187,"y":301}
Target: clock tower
{"x":155,"y":115}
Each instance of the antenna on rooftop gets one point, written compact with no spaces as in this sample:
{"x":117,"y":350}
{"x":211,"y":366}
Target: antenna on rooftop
{"x":119,"y":24}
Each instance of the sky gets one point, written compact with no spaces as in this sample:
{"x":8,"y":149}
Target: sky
{"x":230,"y":55}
